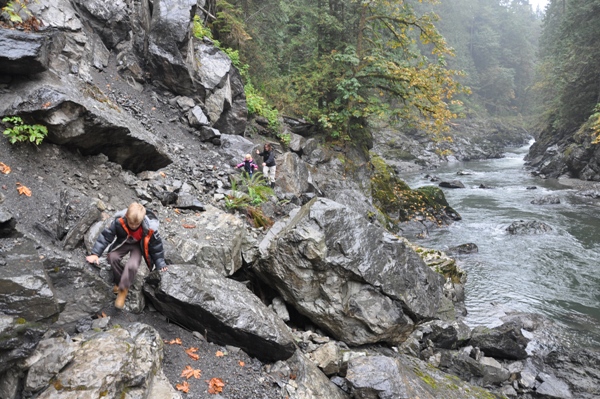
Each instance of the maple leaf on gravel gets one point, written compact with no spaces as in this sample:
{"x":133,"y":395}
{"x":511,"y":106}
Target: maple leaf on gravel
{"x":183,"y":387}
{"x":176,"y":341}
{"x":219,"y":354}
{"x":241,"y":363}
{"x":189,"y":226}
{"x":191,"y":352}
{"x":4,"y":168}
{"x":189,"y":372}
{"x":215,"y":385}
{"x":23,"y":190}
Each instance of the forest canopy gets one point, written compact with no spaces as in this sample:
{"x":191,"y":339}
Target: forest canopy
{"x":568,"y":84}
{"x":339,"y":63}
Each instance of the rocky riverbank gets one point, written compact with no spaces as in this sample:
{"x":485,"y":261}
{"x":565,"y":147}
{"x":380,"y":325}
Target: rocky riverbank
{"x":327,"y":302}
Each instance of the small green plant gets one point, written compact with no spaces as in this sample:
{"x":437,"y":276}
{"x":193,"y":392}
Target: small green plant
{"x":285,"y":138}
{"x":247,"y":194}
{"x":200,"y":31}
{"x":19,"y":15}
{"x":22,"y":132}
{"x":248,"y":191}
{"x":257,"y":105}
{"x":595,"y":124}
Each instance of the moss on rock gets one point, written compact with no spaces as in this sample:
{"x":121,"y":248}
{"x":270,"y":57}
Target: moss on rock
{"x":399,"y":203}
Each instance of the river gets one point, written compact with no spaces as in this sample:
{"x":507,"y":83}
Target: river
{"x":555,"y":274}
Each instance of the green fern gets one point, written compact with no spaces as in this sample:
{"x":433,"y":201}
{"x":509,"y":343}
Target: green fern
{"x":248,"y":191}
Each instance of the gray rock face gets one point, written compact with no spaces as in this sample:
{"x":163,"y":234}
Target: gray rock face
{"x":168,"y":42}
{"x":302,"y":379}
{"x":23,"y":53}
{"x":234,"y":118}
{"x":504,"y":342}
{"x":197,"y":118}
{"x":50,"y":356}
{"x":77,"y":287}
{"x":405,"y":377}
{"x":226,"y":310}
{"x":88,"y":124}
{"x":215,"y":66}
{"x":293,"y":174}
{"x":347,"y":275}
{"x":110,"y":19}
{"x":24,"y":288}
{"x":528,"y":227}
{"x":18,"y":339}
{"x":109,"y":363}
{"x":445,"y":335}
{"x":218,"y":242}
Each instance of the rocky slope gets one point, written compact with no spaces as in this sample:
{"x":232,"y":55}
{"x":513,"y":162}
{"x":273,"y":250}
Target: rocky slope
{"x":325,"y":303}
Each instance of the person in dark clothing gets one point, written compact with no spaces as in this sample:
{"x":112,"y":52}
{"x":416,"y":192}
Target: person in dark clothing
{"x":269,"y":166}
{"x":248,"y":165}
{"x":133,"y":231}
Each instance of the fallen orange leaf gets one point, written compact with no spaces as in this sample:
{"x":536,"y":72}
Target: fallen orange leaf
{"x":183,"y":387}
{"x":219,"y":354}
{"x":4,"y":168}
{"x":191,"y":352}
{"x":163,"y":174}
{"x":23,"y":190}
{"x":102,"y":315}
{"x":215,"y":385}
{"x":189,"y":372}
{"x":46,"y":105}
{"x":242,"y":364}
{"x":176,"y":341}
{"x":177,"y":210}
{"x":189,"y":226}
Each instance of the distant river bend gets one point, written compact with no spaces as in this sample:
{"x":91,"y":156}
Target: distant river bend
{"x":556,"y":274}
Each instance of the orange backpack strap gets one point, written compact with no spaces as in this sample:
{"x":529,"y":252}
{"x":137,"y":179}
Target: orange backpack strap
{"x":125,"y":227}
{"x":146,"y":246}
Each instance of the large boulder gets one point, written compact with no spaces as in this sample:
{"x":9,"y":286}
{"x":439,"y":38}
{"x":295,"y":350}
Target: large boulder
{"x":300,"y":378}
{"x":25,"y":290}
{"x":293,"y":174}
{"x":89,"y":123}
{"x":223,"y":309}
{"x":170,"y":56}
{"x":23,"y":53}
{"x":107,"y":364}
{"x":528,"y":227}
{"x":505,"y":341}
{"x":347,"y":275}
{"x":18,"y":340}
{"x":109,"y":19}
{"x":78,"y":287}
{"x":215,"y":242}
{"x":405,"y":377}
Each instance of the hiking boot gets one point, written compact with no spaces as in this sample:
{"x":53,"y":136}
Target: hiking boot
{"x":116,"y":289}
{"x":120,"y":301}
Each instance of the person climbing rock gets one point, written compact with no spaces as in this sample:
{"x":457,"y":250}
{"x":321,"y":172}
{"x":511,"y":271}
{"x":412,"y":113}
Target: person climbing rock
{"x":269,"y":166}
{"x":133,"y":231}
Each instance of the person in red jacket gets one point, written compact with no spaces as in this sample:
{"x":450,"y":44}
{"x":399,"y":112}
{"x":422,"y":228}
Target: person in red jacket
{"x":134,"y":232}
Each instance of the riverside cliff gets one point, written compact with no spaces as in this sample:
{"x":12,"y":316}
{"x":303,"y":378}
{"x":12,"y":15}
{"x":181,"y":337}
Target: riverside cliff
{"x":327,"y":303}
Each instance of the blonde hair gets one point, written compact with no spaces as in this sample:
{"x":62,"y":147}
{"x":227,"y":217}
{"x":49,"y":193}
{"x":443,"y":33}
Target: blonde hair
{"x":247,"y":157}
{"x":135,"y":214}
